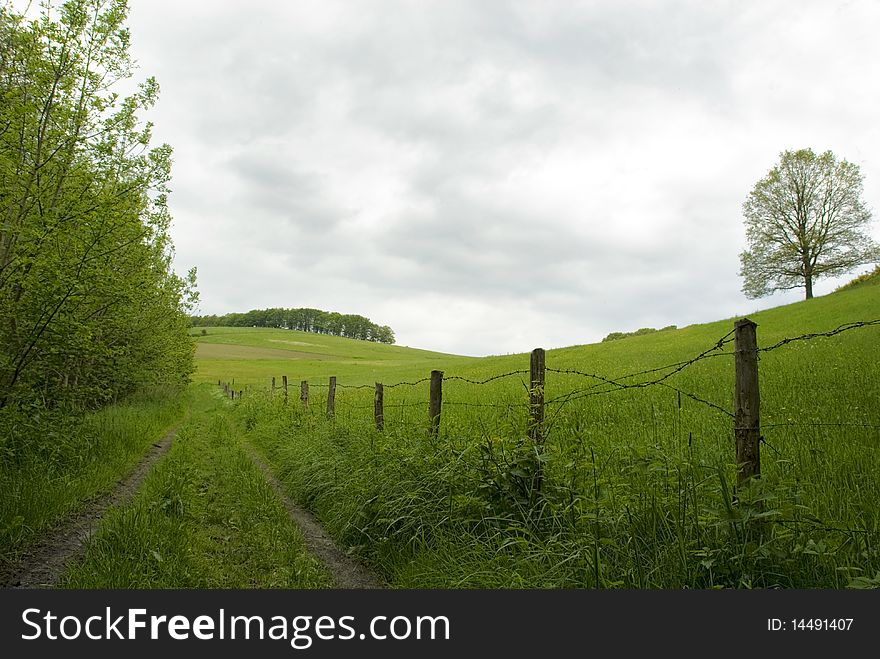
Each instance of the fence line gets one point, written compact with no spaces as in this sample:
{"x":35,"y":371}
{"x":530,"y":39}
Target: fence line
{"x":798,"y":424}
{"x":487,"y":380}
{"x":747,"y":430}
{"x":407,"y":384}
{"x":815,"y":335}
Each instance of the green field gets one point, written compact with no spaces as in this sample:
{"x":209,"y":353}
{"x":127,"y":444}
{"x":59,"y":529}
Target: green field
{"x":252,"y":356}
{"x":638,"y":483}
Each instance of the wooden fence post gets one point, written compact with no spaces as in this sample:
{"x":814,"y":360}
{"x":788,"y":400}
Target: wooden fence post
{"x":536,"y":396}
{"x":435,"y":402}
{"x":304,"y":393}
{"x":273,"y":388}
{"x":536,"y":411}
{"x":284,"y":387}
{"x":331,"y":397}
{"x":747,"y":428}
{"x":379,"y":407}
{"x":232,"y":394}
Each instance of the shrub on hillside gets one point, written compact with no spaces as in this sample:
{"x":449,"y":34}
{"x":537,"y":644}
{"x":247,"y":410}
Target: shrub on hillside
{"x":871,"y":277}
{"x":614,"y":336}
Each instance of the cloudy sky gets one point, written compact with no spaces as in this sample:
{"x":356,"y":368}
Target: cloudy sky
{"x":488,"y":177}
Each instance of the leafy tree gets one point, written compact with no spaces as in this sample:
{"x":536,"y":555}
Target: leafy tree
{"x":351,"y":326}
{"x":90,"y":307}
{"x":804,"y":220}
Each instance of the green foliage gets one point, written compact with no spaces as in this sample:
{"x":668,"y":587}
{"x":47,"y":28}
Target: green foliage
{"x":350,"y":326}
{"x":614,"y":336}
{"x":51,"y":462}
{"x":870,"y":278}
{"x":805,"y":220}
{"x":90,"y":308}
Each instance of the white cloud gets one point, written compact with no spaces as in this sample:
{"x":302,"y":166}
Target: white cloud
{"x":489,"y":177}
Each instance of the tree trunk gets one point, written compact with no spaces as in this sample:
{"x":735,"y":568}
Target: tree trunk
{"x":808,"y":283}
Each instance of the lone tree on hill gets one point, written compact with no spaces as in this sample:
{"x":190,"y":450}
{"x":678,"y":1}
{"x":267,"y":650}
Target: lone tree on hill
{"x":805,"y":219}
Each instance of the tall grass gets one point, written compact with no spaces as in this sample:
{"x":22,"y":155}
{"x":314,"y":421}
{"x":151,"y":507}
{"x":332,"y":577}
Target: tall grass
{"x":51,"y":462}
{"x":638,"y":484}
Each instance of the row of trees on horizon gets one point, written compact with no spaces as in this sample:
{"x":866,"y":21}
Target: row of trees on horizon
{"x":351,"y":326}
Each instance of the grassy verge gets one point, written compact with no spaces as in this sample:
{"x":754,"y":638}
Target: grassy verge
{"x":205,"y":518}
{"x":51,"y":463}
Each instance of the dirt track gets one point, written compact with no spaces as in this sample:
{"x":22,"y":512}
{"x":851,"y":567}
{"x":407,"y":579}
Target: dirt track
{"x":43,"y":564}
{"x":345,"y":572}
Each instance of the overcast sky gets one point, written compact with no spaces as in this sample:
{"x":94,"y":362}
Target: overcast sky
{"x":489,"y":177}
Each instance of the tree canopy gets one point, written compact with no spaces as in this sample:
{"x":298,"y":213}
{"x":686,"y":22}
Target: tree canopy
{"x":305,"y":320}
{"x":804,"y":220}
{"x":90,"y":307}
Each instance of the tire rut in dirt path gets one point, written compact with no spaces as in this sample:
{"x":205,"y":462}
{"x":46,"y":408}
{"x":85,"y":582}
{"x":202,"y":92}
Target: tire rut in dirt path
{"x":42,"y":565}
{"x":346,"y":572}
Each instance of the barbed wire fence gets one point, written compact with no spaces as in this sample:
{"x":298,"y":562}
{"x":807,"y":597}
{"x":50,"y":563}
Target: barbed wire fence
{"x":747,"y":429}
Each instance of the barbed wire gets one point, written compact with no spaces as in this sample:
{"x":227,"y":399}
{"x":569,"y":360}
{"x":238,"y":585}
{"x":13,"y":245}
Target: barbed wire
{"x":816,"y":524}
{"x":698,"y":399}
{"x":769,"y":445}
{"x":677,"y":366}
{"x":406,"y":384}
{"x":506,"y":406}
{"x":487,"y":380}
{"x":618,"y":384}
{"x":815,"y":335}
{"x":818,"y":425}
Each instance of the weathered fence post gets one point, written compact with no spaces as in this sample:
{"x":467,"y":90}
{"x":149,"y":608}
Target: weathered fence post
{"x":284,"y":387}
{"x":747,"y":428}
{"x":435,"y":401}
{"x":536,"y":411}
{"x":331,"y":397}
{"x":273,"y":388}
{"x":232,"y":394}
{"x":304,"y":393}
{"x":379,"y":407}
{"x":536,"y":396}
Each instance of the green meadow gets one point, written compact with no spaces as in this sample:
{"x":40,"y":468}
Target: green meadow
{"x":638,"y":484}
{"x":253,"y":356}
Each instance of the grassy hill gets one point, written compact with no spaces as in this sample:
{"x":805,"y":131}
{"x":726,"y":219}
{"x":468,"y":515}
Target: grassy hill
{"x":254,"y":355}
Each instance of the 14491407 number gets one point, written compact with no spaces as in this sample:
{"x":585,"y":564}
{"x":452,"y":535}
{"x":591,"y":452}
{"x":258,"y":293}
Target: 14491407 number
{"x":821,"y":624}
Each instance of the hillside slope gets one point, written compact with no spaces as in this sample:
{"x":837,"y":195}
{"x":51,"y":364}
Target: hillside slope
{"x":637,"y":481}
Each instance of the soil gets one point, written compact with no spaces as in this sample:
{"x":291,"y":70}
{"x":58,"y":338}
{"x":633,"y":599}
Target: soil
{"x":345,"y":571}
{"x":42,"y":565}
